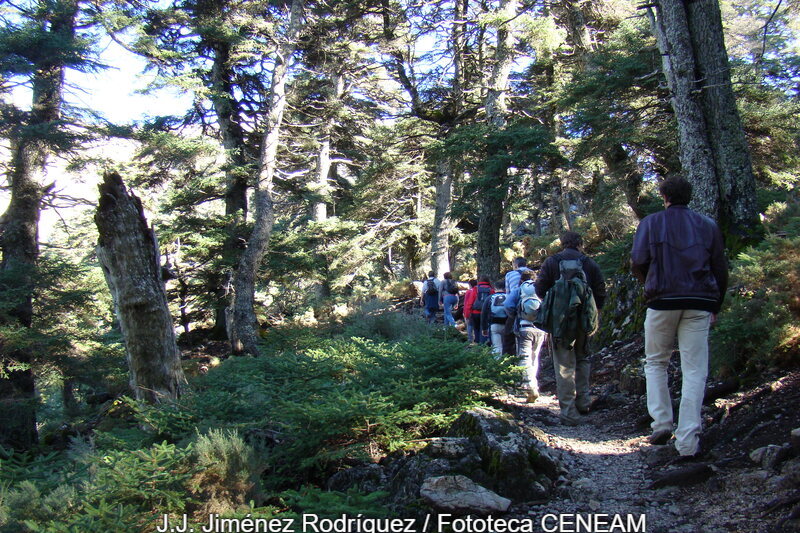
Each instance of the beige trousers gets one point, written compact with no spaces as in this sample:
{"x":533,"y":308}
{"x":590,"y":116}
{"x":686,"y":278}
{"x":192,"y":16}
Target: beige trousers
{"x":660,"y":330}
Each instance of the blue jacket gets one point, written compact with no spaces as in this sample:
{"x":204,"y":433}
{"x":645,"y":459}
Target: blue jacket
{"x":512,"y":300}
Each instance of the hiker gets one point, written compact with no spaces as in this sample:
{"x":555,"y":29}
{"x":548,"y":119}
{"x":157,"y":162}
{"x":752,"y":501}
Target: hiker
{"x":448,"y":298}
{"x":570,"y":270}
{"x":430,"y":297}
{"x":513,"y":276}
{"x":473,"y":303}
{"x":493,"y":317}
{"x":679,"y":256}
{"x":510,"y":345}
{"x":465,"y":313}
{"x":528,"y":338}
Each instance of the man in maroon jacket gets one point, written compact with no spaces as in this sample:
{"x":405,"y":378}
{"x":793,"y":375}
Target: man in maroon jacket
{"x":679,"y":256}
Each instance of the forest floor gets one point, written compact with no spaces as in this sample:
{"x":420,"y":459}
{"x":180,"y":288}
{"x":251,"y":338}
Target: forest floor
{"x":613,"y":470}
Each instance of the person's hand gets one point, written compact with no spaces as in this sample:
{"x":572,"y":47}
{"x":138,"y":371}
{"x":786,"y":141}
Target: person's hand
{"x":713,"y":319}
{"x":485,"y":333}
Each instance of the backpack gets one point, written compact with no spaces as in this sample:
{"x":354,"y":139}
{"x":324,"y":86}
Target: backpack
{"x":431,"y":290}
{"x":451,"y":287}
{"x":568,"y":307}
{"x":529,"y":304}
{"x":496,"y":305}
{"x":482,"y":292}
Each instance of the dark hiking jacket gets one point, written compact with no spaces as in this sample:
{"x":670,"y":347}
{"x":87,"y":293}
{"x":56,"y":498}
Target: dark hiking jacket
{"x":679,"y":256}
{"x":550,"y":272}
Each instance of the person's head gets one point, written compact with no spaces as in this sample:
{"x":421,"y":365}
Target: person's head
{"x":676,"y":190}
{"x":571,"y":239}
{"x":473,"y":282}
{"x":484,"y":279}
{"x":520,"y":262}
{"x":431,"y":274}
{"x":448,"y":275}
{"x":526,"y":276}
{"x":500,"y":284}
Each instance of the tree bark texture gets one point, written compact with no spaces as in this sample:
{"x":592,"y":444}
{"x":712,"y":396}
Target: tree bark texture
{"x":128,"y":253}
{"x":243,"y":326}
{"x":620,"y":165}
{"x":320,"y":187}
{"x":228,"y":112}
{"x":714,"y":151}
{"x":19,"y":241}
{"x":675,"y":44}
{"x":19,"y":225}
{"x":442,"y":222}
{"x":737,"y":184}
{"x":493,"y":195}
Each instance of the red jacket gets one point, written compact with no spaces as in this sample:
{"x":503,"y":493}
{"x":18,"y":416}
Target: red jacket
{"x":469,"y":299}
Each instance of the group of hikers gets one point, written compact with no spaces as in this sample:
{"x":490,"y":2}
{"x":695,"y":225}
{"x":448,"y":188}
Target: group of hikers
{"x":677,"y":253}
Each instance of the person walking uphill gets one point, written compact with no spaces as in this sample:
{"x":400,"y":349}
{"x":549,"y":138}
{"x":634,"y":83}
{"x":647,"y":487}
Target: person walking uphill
{"x":473,"y":303}
{"x":448,"y":298}
{"x":493,"y":317}
{"x":430,"y":297}
{"x":523,"y":304}
{"x":513,"y":279}
{"x":566,"y":321}
{"x":679,"y":256}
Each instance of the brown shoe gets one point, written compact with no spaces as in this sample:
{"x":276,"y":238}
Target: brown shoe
{"x":660,"y":437}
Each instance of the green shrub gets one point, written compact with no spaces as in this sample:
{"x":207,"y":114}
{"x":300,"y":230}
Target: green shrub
{"x":378,"y":323}
{"x":348,"y":398}
{"x":756,"y":327}
{"x":332,"y":504}
{"x":151,"y":479}
{"x":227,"y":471}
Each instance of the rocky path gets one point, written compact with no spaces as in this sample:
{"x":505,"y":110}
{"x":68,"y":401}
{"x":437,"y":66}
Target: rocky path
{"x":609,"y":469}
{"x":606,"y":474}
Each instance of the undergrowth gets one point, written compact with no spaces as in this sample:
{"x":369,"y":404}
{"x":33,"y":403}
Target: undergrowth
{"x":257,"y":435}
{"x":757,"y":328}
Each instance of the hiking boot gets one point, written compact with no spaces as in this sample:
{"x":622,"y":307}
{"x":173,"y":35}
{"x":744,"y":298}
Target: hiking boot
{"x":660,"y":437}
{"x":531,"y":396}
{"x":583,"y":410}
{"x":572,"y":422}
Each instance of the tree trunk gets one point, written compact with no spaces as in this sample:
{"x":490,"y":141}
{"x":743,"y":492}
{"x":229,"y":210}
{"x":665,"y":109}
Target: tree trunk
{"x":560,"y":204}
{"x":737,"y":184}
{"x":20,"y":247}
{"x":128,"y":252}
{"x":621,"y":166}
{"x":19,"y":225}
{"x":242,"y":320}
{"x":493,"y":196}
{"x":442,"y":222}
{"x":227,"y":110}
{"x":672,"y":35}
{"x":320,"y":187}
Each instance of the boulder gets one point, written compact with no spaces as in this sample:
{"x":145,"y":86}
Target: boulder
{"x":461,"y":495}
{"x":771,"y":456}
{"x":632,"y":380}
{"x":483,"y":447}
{"x":795,"y":440}
{"x":367,"y":478}
{"x":515,"y":464}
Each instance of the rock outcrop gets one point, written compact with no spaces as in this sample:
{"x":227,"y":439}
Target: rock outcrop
{"x":483,"y":464}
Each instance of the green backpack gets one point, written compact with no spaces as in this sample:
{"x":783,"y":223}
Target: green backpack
{"x":568,"y":307}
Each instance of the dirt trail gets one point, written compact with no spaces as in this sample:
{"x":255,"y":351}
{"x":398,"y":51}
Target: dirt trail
{"x":611,"y":466}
